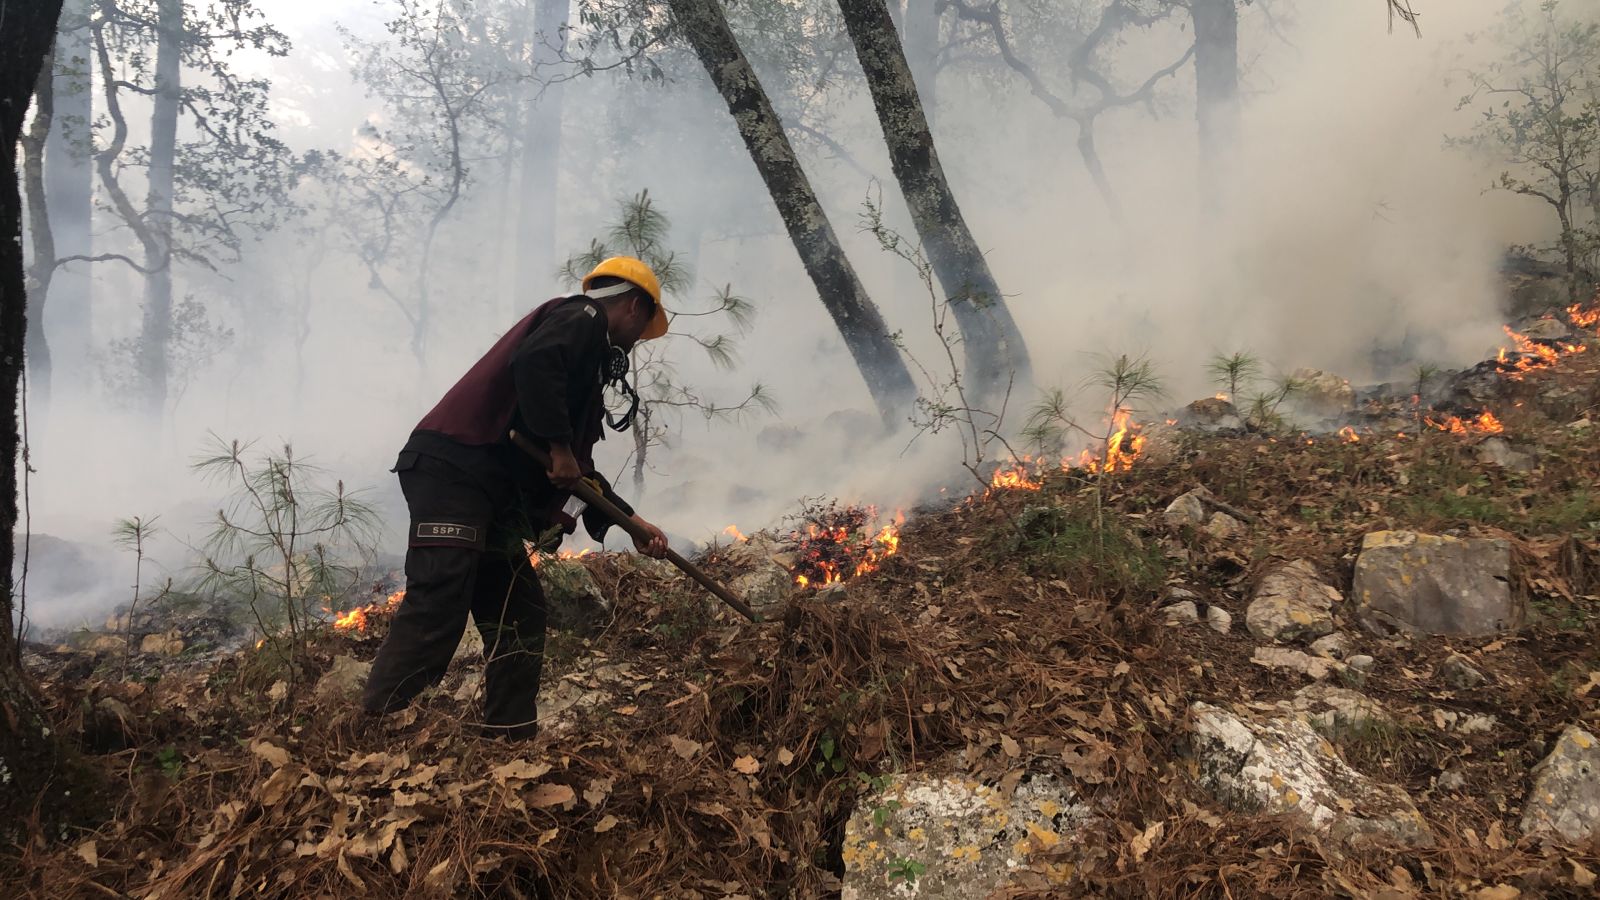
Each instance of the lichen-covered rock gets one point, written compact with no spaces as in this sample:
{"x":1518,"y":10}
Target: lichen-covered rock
{"x":949,"y":837}
{"x":1292,"y":603}
{"x":1323,"y":393}
{"x":1222,"y":526}
{"x":1280,"y":766}
{"x":1497,"y":451}
{"x":1431,"y":584}
{"x":166,"y":643}
{"x":1315,"y":667}
{"x":1337,"y":712}
{"x":1461,"y":674}
{"x":1184,"y":612}
{"x":1188,"y":510}
{"x":1333,"y":646}
{"x":343,"y":680}
{"x":1210,"y":415}
{"x":572,"y":600}
{"x":1565,"y":798}
{"x":1219,"y":619}
{"x":764,"y":581}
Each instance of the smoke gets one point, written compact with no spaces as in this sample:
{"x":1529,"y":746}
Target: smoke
{"x":1350,"y":239}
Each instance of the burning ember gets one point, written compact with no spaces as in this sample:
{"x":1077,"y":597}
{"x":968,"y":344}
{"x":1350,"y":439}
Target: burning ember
{"x":838,"y":543}
{"x":356,"y":620}
{"x":1349,"y":436}
{"x":1124,"y":445}
{"x":1483,"y":424}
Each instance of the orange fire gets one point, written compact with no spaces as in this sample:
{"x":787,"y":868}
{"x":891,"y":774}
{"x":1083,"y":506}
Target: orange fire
{"x":1486,"y":423}
{"x":1123,"y":447}
{"x":1533,"y":355}
{"x":855,"y":555}
{"x":1016,"y":477}
{"x":356,"y":620}
{"x":734,"y":532}
{"x":535,"y":557}
{"x":1349,"y":436}
{"x":1584,"y":318}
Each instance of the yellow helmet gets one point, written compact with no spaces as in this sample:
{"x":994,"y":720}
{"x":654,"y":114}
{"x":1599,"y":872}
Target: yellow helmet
{"x":636,"y":273}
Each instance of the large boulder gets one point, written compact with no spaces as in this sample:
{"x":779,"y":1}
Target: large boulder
{"x":1292,"y":603}
{"x":1210,"y":415}
{"x":1281,"y":766}
{"x":1565,"y":799}
{"x":1432,"y":584}
{"x":950,"y":837}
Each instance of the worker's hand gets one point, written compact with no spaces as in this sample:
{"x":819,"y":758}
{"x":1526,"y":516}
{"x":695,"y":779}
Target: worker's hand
{"x":656,"y":546}
{"x":564,"y":471}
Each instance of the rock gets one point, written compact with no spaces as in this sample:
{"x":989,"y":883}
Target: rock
{"x":1357,"y":668}
{"x":107,"y":643}
{"x":344,"y":679}
{"x":1188,"y":510}
{"x":1460,"y":674}
{"x":1545,"y":328}
{"x":1295,"y":661}
{"x":1497,"y":451}
{"x":1464,"y":723}
{"x":1219,"y":619}
{"x":764,"y":581}
{"x":1451,"y":780}
{"x":1565,"y":798}
{"x":1581,"y":425}
{"x":1333,"y":646}
{"x":1323,"y":393}
{"x":1223,"y":526}
{"x":1213,"y":414}
{"x":1291,"y":604}
{"x":572,"y":600}
{"x":964,"y":838}
{"x":1181,"y":613}
{"x":1430,"y":584}
{"x":1176,"y":593}
{"x":1338,"y":712}
{"x":1281,"y":766}
{"x":167,"y":643}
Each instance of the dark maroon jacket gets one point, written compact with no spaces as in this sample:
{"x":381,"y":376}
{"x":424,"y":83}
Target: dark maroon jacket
{"x":543,"y":378}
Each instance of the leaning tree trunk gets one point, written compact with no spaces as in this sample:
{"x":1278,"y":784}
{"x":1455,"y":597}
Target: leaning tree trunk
{"x":157,"y":331}
{"x":705,"y":26}
{"x":39,"y":231}
{"x":922,"y":50}
{"x":1216,"y":73}
{"x":541,"y":155}
{"x":995,"y":352}
{"x":69,"y":186}
{"x":32,"y":791}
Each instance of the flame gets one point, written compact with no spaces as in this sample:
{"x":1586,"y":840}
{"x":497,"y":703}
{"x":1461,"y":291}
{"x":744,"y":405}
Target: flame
{"x":356,"y":619}
{"x":1223,"y":396}
{"x":1584,"y":318}
{"x":1125,"y":445}
{"x":734,"y":532}
{"x":1533,"y":355}
{"x":1015,"y":477}
{"x":835,"y":552}
{"x":1486,"y":423}
{"x":535,"y":557}
{"x":1349,"y":436}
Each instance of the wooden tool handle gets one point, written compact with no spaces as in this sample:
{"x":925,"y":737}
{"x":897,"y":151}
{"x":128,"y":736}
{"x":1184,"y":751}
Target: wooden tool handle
{"x":594,"y":498}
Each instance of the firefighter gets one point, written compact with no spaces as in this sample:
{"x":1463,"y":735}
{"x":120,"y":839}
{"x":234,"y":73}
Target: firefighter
{"x":474,"y":498}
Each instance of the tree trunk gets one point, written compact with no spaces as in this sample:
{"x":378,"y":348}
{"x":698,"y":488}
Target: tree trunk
{"x":43,"y":239}
{"x":858,"y":320}
{"x":69,"y":187}
{"x":157,"y":332}
{"x":541,"y":157}
{"x":922,"y":50}
{"x":995,"y":352}
{"x":1216,"y":73}
{"x":29,"y":753}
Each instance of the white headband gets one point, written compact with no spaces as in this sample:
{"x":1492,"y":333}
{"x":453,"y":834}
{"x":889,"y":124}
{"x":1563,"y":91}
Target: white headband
{"x":612,"y":291}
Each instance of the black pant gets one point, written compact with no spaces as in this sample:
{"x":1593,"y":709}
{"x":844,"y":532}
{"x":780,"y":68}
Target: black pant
{"x":464,"y":553}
